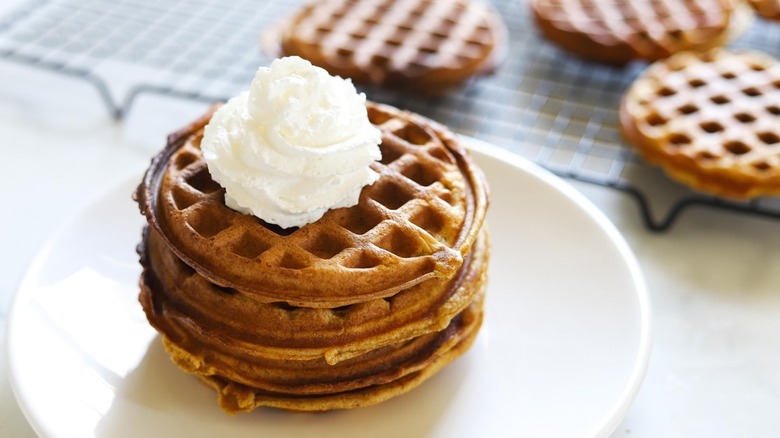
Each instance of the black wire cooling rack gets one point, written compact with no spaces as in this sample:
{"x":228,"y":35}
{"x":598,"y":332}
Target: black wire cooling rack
{"x":547,"y":106}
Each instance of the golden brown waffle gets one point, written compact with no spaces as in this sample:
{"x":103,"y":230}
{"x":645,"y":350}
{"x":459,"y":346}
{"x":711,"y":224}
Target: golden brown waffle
{"x":427,"y":46}
{"x":416,"y":223}
{"x":710,"y":120}
{"x":199,"y":314}
{"x":619,"y":31}
{"x":235,"y":397}
{"x":317,"y":377}
{"x":769,"y":9}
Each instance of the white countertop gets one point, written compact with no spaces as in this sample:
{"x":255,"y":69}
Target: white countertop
{"x":713,"y":279}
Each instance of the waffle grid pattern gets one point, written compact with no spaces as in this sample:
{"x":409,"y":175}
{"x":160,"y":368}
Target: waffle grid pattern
{"x":683,"y":106}
{"x":422,"y":34}
{"x":650,"y":28}
{"x":198,"y":199}
{"x":711,"y":120}
{"x":553,"y":109}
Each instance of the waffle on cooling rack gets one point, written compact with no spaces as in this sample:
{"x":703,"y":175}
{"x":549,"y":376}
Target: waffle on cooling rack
{"x":619,"y":31}
{"x":427,"y":46}
{"x":358,"y":307}
{"x":710,"y":120}
{"x":769,"y":9}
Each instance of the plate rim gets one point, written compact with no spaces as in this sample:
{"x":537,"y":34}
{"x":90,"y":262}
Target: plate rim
{"x":605,"y":427}
{"x":642,"y":360}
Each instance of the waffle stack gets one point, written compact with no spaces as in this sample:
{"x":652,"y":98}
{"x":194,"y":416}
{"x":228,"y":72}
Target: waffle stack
{"x":358,"y":307}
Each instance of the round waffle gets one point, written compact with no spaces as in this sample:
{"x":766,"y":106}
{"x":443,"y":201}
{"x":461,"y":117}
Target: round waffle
{"x":317,"y":377}
{"x":198,"y":314}
{"x":710,"y":120}
{"x":769,"y":9}
{"x":426,"y":46}
{"x":619,"y":31}
{"x":416,"y":223}
{"x":457,"y":339}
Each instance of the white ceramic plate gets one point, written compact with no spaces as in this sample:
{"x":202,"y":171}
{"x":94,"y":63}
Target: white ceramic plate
{"x":562,"y":352}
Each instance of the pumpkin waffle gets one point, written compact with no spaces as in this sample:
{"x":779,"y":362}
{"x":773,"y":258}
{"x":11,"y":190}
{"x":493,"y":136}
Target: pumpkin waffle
{"x":416,"y":223}
{"x":317,"y":377}
{"x":769,"y":9}
{"x":427,"y":46}
{"x":315,"y":380}
{"x":197,"y":313}
{"x":710,"y":120}
{"x":236,"y":397}
{"x":620,"y":31}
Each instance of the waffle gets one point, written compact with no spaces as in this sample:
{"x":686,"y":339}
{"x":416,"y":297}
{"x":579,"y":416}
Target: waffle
{"x":236,"y":397}
{"x":416,"y":223}
{"x":427,"y":46}
{"x":317,"y":377}
{"x":360,"y":306}
{"x":710,"y":120}
{"x":769,"y":9}
{"x":620,"y":31}
{"x":197,"y":313}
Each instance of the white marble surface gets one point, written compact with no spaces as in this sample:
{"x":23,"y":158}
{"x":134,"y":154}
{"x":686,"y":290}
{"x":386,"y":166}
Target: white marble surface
{"x":714,"y":279}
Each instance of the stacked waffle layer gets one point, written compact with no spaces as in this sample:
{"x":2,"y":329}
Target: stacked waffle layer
{"x":358,"y":307}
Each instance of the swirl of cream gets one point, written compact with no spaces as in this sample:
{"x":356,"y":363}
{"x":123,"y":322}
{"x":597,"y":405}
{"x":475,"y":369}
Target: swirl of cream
{"x":297,"y":144}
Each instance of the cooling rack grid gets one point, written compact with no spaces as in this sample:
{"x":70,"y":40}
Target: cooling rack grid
{"x":543,"y":104}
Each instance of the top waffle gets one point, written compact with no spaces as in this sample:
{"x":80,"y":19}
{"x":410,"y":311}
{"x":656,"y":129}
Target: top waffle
{"x":710,"y":120}
{"x":421,"y":45}
{"x":415,"y":223}
{"x":619,"y":31}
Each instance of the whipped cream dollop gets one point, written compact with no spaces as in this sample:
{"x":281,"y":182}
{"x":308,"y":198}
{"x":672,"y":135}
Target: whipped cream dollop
{"x":297,"y":144}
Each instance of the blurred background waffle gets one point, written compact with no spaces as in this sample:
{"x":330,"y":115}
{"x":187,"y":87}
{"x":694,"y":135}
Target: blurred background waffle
{"x":543,"y":104}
